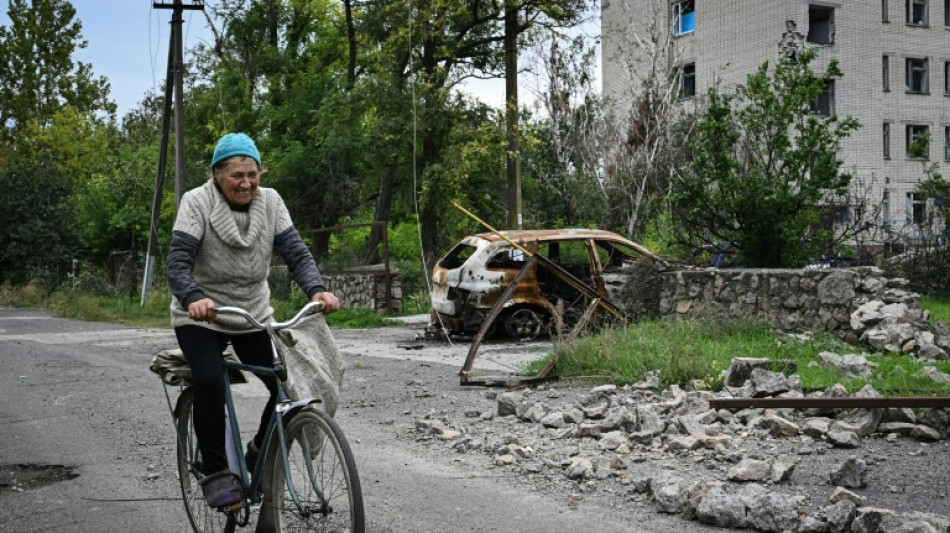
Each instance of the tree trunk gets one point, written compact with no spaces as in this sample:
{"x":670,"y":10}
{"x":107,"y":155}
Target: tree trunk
{"x":383,"y":211}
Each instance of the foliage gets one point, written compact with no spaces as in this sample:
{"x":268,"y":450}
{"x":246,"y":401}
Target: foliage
{"x":683,"y":351}
{"x":39,"y":74}
{"x":561,"y":146}
{"x":927,"y":252}
{"x":763,"y":164}
{"x":646,"y":132}
{"x":39,"y":238}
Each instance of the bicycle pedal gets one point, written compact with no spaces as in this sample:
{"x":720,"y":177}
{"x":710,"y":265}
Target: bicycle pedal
{"x":229,"y":508}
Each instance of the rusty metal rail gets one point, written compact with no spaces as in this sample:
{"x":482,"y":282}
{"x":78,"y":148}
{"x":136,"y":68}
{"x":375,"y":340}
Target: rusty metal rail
{"x":834,"y":403}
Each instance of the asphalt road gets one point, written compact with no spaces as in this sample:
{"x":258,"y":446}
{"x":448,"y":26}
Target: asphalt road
{"x":80,"y":395}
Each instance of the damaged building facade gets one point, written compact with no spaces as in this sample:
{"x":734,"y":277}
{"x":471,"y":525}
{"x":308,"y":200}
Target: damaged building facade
{"x":895,"y":55}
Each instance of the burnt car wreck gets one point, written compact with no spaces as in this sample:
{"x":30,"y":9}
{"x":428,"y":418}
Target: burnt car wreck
{"x":576,"y":268}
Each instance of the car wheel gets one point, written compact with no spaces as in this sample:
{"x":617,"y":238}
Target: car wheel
{"x":523,"y":323}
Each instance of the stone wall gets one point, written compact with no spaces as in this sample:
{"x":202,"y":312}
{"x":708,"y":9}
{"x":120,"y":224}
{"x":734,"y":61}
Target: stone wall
{"x":792,"y":300}
{"x":365,"y":290}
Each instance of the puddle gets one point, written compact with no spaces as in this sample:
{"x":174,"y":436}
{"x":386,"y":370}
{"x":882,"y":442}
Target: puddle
{"x":19,"y":478}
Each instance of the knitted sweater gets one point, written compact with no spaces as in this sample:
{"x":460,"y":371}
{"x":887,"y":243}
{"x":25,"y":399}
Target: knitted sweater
{"x":224,"y":254}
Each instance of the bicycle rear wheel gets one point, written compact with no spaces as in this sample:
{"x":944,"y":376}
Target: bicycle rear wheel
{"x":322,"y":472}
{"x":203,"y":519}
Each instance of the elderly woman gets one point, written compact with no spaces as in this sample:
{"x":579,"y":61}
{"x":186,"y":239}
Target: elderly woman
{"x":223,"y":239}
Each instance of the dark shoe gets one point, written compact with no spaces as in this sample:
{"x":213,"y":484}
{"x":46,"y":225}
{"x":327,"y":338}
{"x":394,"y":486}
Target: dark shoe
{"x":221,"y":489}
{"x":251,"y":455}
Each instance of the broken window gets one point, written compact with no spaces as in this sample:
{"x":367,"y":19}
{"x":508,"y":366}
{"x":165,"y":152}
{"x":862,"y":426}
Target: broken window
{"x":886,"y":72}
{"x":916,"y":75}
{"x":458,"y":256}
{"x":824,"y":105}
{"x":511,"y":258}
{"x":887,"y":140}
{"x":916,"y":208}
{"x":916,"y":140}
{"x":684,"y":17}
{"x":916,"y":12}
{"x":821,"y":24}
{"x":688,"y":81}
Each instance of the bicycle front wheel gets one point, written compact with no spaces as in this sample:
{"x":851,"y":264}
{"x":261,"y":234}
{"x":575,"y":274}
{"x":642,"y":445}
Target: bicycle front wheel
{"x":320,"y":489}
{"x":203,"y":519}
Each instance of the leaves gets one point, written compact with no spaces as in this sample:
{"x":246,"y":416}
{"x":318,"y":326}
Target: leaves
{"x":763,"y":166}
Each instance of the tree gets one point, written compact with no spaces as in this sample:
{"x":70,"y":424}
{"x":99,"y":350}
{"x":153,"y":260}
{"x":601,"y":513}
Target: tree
{"x":643,"y":137}
{"x":563,"y":142}
{"x":763,"y":164}
{"x":39,"y":74}
{"x":450,"y":41}
{"x":39,"y":237}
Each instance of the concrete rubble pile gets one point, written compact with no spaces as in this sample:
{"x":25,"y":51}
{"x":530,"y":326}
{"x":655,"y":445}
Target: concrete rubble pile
{"x":603,"y":435}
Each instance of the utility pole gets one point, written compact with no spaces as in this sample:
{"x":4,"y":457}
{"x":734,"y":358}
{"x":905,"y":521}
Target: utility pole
{"x":511,"y":117}
{"x":173,"y":87}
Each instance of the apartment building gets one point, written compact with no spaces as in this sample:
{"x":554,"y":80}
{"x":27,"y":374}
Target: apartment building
{"x":895,"y":55}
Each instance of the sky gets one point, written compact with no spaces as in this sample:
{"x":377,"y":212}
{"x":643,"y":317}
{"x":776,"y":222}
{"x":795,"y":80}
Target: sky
{"x":128,"y":44}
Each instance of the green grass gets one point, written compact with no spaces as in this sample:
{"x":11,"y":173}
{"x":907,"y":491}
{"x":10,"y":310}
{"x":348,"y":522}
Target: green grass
{"x":701,"y":349}
{"x":938,"y":307}
{"x":154,"y":314}
{"x":83,"y":306}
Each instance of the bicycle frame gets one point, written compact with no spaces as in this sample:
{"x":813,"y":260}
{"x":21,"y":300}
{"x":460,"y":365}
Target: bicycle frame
{"x":253,"y":480}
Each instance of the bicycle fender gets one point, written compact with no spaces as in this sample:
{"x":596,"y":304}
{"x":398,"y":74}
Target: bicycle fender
{"x":289,"y":409}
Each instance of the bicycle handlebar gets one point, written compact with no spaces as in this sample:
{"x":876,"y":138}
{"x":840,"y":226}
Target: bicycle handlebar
{"x":309,"y":309}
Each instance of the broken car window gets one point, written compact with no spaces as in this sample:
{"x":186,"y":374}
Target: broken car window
{"x":458,"y":256}
{"x":505,"y":259}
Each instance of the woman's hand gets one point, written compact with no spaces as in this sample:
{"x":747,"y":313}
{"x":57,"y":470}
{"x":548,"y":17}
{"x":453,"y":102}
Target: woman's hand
{"x":202,"y":309}
{"x":330,"y":302}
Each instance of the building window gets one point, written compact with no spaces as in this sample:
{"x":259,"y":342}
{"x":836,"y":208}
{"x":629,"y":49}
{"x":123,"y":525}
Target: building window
{"x":946,"y":73}
{"x":821,"y":24}
{"x":824,"y":105}
{"x":884,"y":17}
{"x":916,"y":208}
{"x":887,"y":140}
{"x":688,"y":81}
{"x":916,"y":145}
{"x":684,"y":17}
{"x":946,"y":14}
{"x":916,"y":75}
{"x":886,"y":72}
{"x":946,"y":143}
{"x":916,"y":12}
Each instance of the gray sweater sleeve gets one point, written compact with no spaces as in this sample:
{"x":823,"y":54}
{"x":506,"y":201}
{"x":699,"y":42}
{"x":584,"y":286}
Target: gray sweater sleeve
{"x":303,"y":269}
{"x":180,"y":268}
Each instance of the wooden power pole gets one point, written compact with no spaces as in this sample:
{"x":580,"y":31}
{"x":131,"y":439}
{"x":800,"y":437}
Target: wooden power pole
{"x":173,"y":87}
{"x":511,"y":118}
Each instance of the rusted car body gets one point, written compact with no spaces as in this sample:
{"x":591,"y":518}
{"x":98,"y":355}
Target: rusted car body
{"x":469,"y":279}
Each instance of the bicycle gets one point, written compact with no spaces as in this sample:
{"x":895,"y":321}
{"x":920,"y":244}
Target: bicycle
{"x":305,"y":476}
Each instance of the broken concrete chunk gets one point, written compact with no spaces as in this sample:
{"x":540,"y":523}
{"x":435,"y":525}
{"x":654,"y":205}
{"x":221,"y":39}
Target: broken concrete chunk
{"x":851,"y":474}
{"x":750,"y":470}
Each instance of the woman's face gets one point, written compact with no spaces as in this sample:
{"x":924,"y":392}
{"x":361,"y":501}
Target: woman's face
{"x":239,"y":180}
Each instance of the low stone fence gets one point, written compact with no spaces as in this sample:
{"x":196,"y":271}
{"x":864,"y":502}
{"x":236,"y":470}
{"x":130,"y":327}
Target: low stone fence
{"x":366,"y":290}
{"x":857,"y":304}
{"x":792,"y":300}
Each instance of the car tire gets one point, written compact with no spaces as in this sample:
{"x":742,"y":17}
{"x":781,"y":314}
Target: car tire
{"x":523,"y":323}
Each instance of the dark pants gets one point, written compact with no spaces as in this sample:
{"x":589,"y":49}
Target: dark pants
{"x":202,"y":347}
